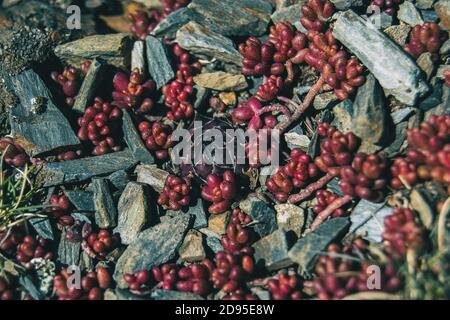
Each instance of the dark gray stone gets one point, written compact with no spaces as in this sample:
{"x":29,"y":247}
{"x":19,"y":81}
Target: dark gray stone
{"x":198,"y":211}
{"x":134,"y":140}
{"x":234,"y":18}
{"x":367,"y":220}
{"x":158,"y":61}
{"x":200,"y":41}
{"x":79,"y":170}
{"x":105,"y":208}
{"x":308,"y":249}
{"x":382,"y":57}
{"x":153,"y":247}
{"x":429,"y":16}
{"x":160,"y":294}
{"x":90,"y":84}
{"x":134,"y":212}
{"x":82,"y":200}
{"x":43,"y":227}
{"x":292,"y":14}
{"x":271,"y":252}
{"x":115,"y":49}
{"x":169,"y":26}
{"x":265,"y":218}
{"x":69,"y":253}
{"x":369,"y":115}
{"x":346,"y":4}
{"x":36,"y":123}
{"x":119,"y":179}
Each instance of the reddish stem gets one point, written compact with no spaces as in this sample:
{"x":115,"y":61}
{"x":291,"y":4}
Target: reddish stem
{"x":281,"y":109}
{"x":300,"y":109}
{"x":336,"y":204}
{"x":310,"y":189}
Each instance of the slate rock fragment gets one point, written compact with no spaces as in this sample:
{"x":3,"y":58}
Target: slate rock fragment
{"x":158,"y":61}
{"x":271,"y":252}
{"x":264,"y":217}
{"x":69,"y":253}
{"x":169,"y":26}
{"x":152,"y":175}
{"x":82,"y":200}
{"x":368,"y":220}
{"x":163,"y":295}
{"x":192,"y":249}
{"x":105,"y":208}
{"x":221,"y":81}
{"x":153,"y":247}
{"x":134,"y":140}
{"x":89,"y":86}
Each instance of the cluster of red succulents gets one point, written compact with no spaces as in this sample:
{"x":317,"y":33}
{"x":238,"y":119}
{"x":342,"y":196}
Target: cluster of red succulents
{"x":13,"y":154}
{"x":175,"y":194}
{"x":7,"y":290}
{"x":97,"y":125}
{"x":139,"y":282}
{"x":338,"y":70}
{"x":316,"y":13}
{"x":98,"y":245}
{"x":142,"y":22}
{"x":269,"y":58}
{"x":170,"y":6}
{"x":93,"y":285}
{"x":366,"y":177}
{"x":220,"y":190}
{"x":338,"y":276}
{"x":336,"y":150}
{"x":294,"y":174}
{"x":239,"y":237}
{"x":271,"y":87}
{"x":427,"y":37}
{"x":240,"y":295}
{"x":60,"y":209}
{"x":70,"y":80}
{"x":389,"y":7}
{"x":324,"y":199}
{"x":231,"y":271}
{"x":157,"y":137}
{"x":193,"y":278}
{"x":69,"y":155}
{"x":285,"y":287}
{"x":24,"y":247}
{"x":403,"y":171}
{"x":133,"y":92}
{"x":255,"y":114}
{"x":179,"y":93}
{"x":402,"y":232}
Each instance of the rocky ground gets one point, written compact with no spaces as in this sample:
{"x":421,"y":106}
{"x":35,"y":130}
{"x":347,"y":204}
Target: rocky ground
{"x":90,"y":188}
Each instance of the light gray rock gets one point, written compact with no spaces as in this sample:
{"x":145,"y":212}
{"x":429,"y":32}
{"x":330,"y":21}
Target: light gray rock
{"x":138,"y":56}
{"x":290,"y":217}
{"x":152,"y":175}
{"x":134,"y":212}
{"x":408,"y":13}
{"x":424,"y":4}
{"x":271,"y":252}
{"x":158,"y":61}
{"x":201,"y":41}
{"x":153,"y":247}
{"x":105,"y":209}
{"x":90,"y":84}
{"x":367,"y":220}
{"x":381,"y":20}
{"x":393,"y":68}
{"x":445,"y":48}
{"x":292,"y":14}
{"x":347,"y":4}
{"x":169,"y":26}
{"x":192,"y":249}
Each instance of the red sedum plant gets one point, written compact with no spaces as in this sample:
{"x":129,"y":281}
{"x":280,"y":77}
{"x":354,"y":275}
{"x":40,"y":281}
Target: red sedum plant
{"x":220,"y":191}
{"x":175,"y":194}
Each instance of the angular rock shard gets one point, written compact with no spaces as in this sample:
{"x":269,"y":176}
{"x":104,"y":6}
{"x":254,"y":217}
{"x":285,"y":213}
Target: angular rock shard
{"x":36,"y":123}
{"x":158,"y":61}
{"x":88,"y":89}
{"x":153,"y":247}
{"x":115,"y":49}
{"x":134,"y":140}
{"x":105,"y":209}
{"x":271,"y":252}
{"x":394,"y":69}
{"x":199,"y":40}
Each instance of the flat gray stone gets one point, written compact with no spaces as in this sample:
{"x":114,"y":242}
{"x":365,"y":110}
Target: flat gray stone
{"x":408,"y":13}
{"x":36,"y":122}
{"x":199,"y":40}
{"x":69,"y":253}
{"x":80,"y":170}
{"x":394,"y":69}
{"x":134,"y":212}
{"x":152,"y":175}
{"x":138,"y":56}
{"x":265,"y":218}
{"x":308,"y":249}
{"x":134,"y":141}
{"x":153,"y":247}
{"x":346,"y":4}
{"x":271,"y":252}
{"x":90,"y":84}
{"x":292,"y":14}
{"x":201,"y":217}
{"x":105,"y":208}
{"x":166,"y":295}
{"x":158,"y":61}
{"x":169,"y":26}
{"x":82,"y":200}
{"x":368,"y":220}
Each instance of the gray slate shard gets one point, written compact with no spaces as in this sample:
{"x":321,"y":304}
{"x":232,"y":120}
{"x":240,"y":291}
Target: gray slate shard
{"x":160,"y":294}
{"x":367,"y":219}
{"x":153,"y":247}
{"x":346,"y":4}
{"x":36,"y":123}
{"x":214,"y":243}
{"x":199,"y":40}
{"x":395,"y":70}
{"x":369,"y":114}
{"x":125,"y":294}
{"x":90,"y":84}
{"x":309,"y":248}
{"x":292,"y":14}
{"x":134,"y":212}
{"x":271,"y":252}
{"x":408,"y":13}
{"x":119,"y":179}
{"x":69,"y":253}
{"x":43,"y":227}
{"x":198,"y":211}
{"x":138,"y":56}
{"x":401,"y":115}
{"x":158,"y":62}
{"x":169,"y":26}
{"x":399,"y":142}
{"x":105,"y":208}
{"x":435,"y":96}
{"x":134,"y":140}
{"x":265,"y":217}
{"x":380,"y":20}
{"x":234,"y":18}
{"x":79,"y":170}
{"x":115,"y":49}
{"x":82,"y":200}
